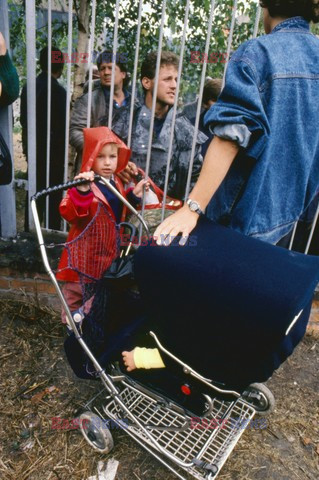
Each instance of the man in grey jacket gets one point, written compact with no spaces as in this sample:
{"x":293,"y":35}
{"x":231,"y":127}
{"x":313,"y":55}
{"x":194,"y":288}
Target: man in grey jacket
{"x":183,"y":131}
{"x":101,"y":97}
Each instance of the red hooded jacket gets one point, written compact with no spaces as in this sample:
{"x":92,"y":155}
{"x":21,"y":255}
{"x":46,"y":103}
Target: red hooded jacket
{"x":79,"y":210}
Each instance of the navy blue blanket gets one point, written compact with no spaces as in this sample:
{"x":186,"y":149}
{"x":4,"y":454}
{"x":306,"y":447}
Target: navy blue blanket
{"x":223,"y":303}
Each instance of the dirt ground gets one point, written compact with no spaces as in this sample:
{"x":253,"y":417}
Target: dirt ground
{"x":37,"y":384}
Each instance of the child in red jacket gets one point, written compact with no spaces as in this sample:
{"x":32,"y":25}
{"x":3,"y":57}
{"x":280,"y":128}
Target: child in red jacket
{"x":82,"y":262}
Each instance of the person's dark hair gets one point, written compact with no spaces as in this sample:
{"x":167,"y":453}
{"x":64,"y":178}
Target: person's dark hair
{"x":148,"y":67}
{"x":120,"y":59}
{"x":309,"y":9}
{"x":212,"y":89}
{"x":57,"y":61}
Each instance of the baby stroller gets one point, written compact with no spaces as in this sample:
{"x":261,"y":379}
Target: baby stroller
{"x":186,"y":420}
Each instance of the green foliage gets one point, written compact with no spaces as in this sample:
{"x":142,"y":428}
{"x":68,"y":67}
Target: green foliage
{"x":174,"y":28}
{"x":173,"y":32}
{"x":18,"y":34}
{"x":150,"y":26}
{"x":21,"y":175}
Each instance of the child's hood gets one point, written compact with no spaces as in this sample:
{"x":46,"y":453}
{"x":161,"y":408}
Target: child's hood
{"x":94,"y":141}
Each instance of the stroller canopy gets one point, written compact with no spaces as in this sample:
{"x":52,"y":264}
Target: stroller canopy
{"x":230,"y":306}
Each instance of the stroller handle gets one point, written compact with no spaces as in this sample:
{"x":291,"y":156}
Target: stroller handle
{"x":63,"y":186}
{"x":81,"y":181}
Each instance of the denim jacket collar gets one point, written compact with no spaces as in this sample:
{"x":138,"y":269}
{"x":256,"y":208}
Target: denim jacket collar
{"x":293,"y":23}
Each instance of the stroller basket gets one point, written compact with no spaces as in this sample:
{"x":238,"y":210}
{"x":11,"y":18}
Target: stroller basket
{"x":198,"y":446}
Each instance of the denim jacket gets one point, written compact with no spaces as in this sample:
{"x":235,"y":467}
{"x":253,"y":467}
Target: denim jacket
{"x":269,"y":106}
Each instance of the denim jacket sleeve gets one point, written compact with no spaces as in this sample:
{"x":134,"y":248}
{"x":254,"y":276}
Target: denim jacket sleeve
{"x":239,"y":114}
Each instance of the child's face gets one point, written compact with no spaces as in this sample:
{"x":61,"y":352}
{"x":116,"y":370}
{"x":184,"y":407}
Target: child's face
{"x":106,"y":162}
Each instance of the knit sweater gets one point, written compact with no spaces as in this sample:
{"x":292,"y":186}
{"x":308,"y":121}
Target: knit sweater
{"x":9,"y":80}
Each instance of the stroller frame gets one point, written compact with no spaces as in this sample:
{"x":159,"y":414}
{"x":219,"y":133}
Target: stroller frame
{"x":160,"y":426}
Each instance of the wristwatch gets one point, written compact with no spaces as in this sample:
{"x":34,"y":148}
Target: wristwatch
{"x":194,"y":206}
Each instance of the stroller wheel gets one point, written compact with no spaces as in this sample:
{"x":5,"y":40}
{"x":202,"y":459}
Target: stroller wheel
{"x":260,"y":397}
{"x":96,"y":432}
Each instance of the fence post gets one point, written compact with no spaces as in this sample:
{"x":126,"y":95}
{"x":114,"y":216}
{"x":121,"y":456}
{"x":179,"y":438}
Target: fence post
{"x":31,"y":101}
{"x":8,"y":227}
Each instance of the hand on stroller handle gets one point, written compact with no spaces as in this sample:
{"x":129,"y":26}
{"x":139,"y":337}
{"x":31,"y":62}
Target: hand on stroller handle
{"x":81,"y":181}
{"x":63,"y":186}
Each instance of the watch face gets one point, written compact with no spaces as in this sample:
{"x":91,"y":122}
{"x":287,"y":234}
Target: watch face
{"x":193,"y":206}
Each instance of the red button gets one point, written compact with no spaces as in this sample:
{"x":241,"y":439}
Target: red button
{"x":186,"y":390}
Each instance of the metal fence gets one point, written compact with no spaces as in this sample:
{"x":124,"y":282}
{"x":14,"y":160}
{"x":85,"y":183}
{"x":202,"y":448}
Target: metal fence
{"x":209,"y":27}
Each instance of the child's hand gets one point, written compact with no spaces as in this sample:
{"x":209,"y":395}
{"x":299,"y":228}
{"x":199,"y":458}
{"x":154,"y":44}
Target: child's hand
{"x":88,"y":176}
{"x":139,"y":187}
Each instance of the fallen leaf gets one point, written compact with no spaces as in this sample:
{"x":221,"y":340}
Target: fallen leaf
{"x":306,"y":440}
{"x":38,"y":396}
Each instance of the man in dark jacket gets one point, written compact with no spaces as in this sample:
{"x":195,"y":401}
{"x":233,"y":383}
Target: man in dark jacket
{"x":101,"y":97}
{"x":57,"y":133}
{"x":183,"y":130}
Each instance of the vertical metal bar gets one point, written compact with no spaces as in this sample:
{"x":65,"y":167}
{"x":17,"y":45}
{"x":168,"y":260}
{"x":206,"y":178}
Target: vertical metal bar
{"x":68,"y":90}
{"x":201,"y":88}
{"x":257,"y":20}
{"x":170,"y":146}
{"x":138,"y":36}
{"x":150,"y":138}
{"x":31,"y":101}
{"x":48,"y":159}
{"x":293,"y":236}
{"x":68,"y":98}
{"x":7,"y":192}
{"x":158,"y":64}
{"x":230,"y":39}
{"x":114,"y":57}
{"x":91,"y":47}
{"x":313,"y":226}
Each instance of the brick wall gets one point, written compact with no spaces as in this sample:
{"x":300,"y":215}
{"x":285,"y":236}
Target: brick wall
{"x":22,"y":274}
{"x":26,"y":286}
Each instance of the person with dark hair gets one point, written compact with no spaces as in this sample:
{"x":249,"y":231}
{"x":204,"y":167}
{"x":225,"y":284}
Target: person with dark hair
{"x":308,"y":9}
{"x":261,"y":170}
{"x":183,"y":131}
{"x":148,"y":67}
{"x":101,"y":97}
{"x":57,"y":133}
{"x":211,"y":92}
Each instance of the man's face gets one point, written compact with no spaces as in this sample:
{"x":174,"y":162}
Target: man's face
{"x":167,"y":81}
{"x":105,"y":73}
